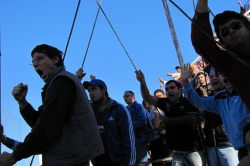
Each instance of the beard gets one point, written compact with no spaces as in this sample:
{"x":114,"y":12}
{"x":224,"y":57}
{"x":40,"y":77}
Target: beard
{"x":98,"y":100}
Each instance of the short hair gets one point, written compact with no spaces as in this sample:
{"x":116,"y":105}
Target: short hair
{"x":245,"y":130}
{"x":130,"y":92}
{"x":176,"y":83}
{"x":50,"y":51}
{"x":194,"y":65}
{"x":201,"y":73}
{"x":226,"y":16}
{"x":159,"y":90}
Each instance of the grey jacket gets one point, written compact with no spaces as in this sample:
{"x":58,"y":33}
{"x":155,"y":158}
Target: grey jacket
{"x":79,"y":140}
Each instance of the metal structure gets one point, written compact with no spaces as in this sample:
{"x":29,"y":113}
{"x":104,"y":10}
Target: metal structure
{"x":171,"y":26}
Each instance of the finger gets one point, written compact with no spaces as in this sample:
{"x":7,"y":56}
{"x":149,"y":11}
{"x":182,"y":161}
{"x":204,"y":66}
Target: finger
{"x":140,"y":71}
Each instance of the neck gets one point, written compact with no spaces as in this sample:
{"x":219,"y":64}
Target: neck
{"x":203,"y":84}
{"x":229,"y":90}
{"x":130,"y":104}
{"x":217,"y":90}
{"x":103,"y":103}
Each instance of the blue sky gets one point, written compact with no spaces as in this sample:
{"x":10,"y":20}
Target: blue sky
{"x":141,"y":25}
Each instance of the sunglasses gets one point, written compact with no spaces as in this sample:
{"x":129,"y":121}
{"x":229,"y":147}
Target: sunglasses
{"x":126,"y":95}
{"x":234,"y":25}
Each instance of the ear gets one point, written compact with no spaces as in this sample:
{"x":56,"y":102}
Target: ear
{"x":104,"y":90}
{"x":55,"y":60}
{"x":180,"y":89}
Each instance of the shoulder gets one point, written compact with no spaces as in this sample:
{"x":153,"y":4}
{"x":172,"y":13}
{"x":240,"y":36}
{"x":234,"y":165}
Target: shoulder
{"x":118,"y":107}
{"x":221,"y":95}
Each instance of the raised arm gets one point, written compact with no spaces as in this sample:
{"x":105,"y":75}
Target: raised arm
{"x":144,"y":89}
{"x":202,"y":6}
{"x":208,"y":104}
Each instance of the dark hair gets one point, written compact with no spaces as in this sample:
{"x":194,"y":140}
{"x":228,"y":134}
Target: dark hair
{"x":245,"y":130}
{"x":226,"y":16}
{"x":176,"y":83}
{"x":144,"y":103}
{"x":106,"y":93}
{"x":130,"y":92}
{"x":159,"y":90}
{"x":50,"y":51}
{"x":200,"y":74}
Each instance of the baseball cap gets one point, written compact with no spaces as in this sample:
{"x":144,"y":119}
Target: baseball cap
{"x":95,"y":82}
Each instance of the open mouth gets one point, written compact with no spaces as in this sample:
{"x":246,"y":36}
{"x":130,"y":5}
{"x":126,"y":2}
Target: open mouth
{"x":215,"y":83}
{"x":225,"y":81}
{"x":40,"y":72}
{"x":170,"y":95}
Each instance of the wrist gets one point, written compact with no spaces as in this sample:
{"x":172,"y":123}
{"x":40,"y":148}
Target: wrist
{"x":23,"y":103}
{"x":184,"y":81}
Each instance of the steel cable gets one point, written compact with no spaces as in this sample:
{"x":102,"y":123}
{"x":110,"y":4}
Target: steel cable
{"x":71,"y":30}
{"x":91,"y":34}
{"x":115,"y":34}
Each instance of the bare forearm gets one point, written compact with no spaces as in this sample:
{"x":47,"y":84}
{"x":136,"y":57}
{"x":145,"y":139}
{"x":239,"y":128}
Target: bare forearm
{"x":145,"y":94}
{"x":202,"y":6}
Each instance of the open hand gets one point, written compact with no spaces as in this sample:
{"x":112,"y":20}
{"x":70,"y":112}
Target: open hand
{"x":7,"y":159}
{"x":161,"y":80}
{"x":186,"y":73}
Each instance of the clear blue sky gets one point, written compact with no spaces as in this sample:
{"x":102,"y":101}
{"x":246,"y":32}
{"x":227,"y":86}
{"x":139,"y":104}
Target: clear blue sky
{"x":141,"y":25}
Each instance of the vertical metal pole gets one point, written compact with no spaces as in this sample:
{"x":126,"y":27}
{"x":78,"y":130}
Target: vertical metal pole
{"x":171,"y":26}
{"x":0,"y":88}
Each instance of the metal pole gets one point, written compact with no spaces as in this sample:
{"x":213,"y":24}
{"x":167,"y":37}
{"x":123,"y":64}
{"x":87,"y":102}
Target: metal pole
{"x":171,"y":26}
{"x":0,"y":89}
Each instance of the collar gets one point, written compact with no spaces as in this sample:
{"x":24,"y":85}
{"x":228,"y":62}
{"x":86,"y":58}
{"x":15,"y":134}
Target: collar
{"x":133,"y":105}
{"x":107,"y":106}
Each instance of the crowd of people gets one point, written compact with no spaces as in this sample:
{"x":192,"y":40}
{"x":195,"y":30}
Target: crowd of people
{"x":200,"y":118}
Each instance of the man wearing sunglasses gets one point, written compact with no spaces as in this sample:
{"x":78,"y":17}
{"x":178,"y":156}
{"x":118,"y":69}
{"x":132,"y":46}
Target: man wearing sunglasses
{"x":140,"y":123}
{"x":233,"y":31}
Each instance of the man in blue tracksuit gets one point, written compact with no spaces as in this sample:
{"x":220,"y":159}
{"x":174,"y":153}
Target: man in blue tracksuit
{"x":141,"y":123}
{"x":227,"y":104}
{"x":115,"y":127}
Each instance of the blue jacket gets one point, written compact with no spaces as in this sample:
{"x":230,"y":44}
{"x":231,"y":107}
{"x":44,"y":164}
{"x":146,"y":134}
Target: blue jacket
{"x":230,"y":107}
{"x":141,"y":122}
{"x":119,"y":134}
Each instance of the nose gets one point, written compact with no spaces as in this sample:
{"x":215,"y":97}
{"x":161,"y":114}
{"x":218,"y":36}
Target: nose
{"x":35,"y":63}
{"x":231,"y":31}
